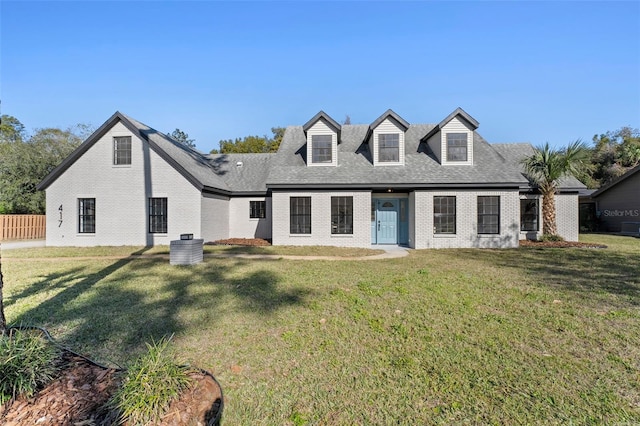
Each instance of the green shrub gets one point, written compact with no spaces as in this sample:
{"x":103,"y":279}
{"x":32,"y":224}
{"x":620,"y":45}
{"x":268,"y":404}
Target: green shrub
{"x":27,"y":362}
{"x":551,"y":238}
{"x":150,"y":384}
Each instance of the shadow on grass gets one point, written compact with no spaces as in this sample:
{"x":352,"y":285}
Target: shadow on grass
{"x":114,"y":311}
{"x":586,"y":271}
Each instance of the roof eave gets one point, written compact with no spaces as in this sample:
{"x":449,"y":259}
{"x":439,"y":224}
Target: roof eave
{"x":371,"y":186}
{"x":322,"y":115}
{"x":80,"y":150}
{"x":622,"y":178}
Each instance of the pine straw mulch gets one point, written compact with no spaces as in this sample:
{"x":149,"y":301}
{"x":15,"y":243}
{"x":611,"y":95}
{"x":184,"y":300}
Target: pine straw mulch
{"x":559,"y":244}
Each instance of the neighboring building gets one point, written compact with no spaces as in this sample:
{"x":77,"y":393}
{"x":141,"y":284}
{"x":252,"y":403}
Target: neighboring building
{"x":617,"y":204}
{"x":390,"y":182}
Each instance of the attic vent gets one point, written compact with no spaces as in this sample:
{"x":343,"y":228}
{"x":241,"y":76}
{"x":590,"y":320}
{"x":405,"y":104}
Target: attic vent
{"x":239,"y":164}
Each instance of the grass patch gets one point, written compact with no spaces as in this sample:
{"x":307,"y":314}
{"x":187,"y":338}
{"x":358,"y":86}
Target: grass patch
{"x":523,"y":336}
{"x":296,"y":250}
{"x":123,"y":251}
{"x":27,"y":362}
{"x":55,"y":252}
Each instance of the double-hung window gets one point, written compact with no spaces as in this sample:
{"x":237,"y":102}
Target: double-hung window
{"x":444,"y":215}
{"x":300,"y":215}
{"x":158,"y":215}
{"x":86,"y":215}
{"x":488,"y":215}
{"x":529,"y":215}
{"x":342,"y":215}
{"x":388,"y":147}
{"x":321,"y":148}
{"x":257,"y":209}
{"x":456,"y":147}
{"x":121,"y":150}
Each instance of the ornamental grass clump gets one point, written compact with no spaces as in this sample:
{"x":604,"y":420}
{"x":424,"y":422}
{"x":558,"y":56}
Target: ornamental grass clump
{"x":546,"y":238}
{"x":27,"y":362}
{"x":150,"y":385}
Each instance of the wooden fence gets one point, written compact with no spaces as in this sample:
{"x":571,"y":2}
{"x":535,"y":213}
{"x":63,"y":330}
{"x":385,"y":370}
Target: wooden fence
{"x":22,"y":226}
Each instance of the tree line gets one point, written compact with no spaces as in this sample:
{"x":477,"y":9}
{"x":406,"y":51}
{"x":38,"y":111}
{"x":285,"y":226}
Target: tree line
{"x":26,"y":158}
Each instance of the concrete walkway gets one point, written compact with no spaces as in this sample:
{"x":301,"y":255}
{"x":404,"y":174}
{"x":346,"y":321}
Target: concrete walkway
{"x":390,"y":252}
{"x":9,"y":245}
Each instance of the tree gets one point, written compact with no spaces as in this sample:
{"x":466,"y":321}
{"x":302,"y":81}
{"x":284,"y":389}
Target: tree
{"x":11,"y":129}
{"x":183,"y":138}
{"x":347,"y":120}
{"x":613,"y":154}
{"x":278,"y":134}
{"x":545,"y":167}
{"x":25,"y":163}
{"x":248,"y":144}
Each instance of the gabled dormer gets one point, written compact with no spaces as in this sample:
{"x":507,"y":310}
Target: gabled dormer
{"x":323,"y":135}
{"x":452,"y":139}
{"x":386,"y":139}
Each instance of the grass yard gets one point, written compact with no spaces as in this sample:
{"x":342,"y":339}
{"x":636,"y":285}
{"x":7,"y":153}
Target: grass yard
{"x":526,"y":336}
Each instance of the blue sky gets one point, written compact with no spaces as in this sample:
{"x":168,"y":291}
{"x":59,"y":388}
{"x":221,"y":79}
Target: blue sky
{"x":527,"y":71}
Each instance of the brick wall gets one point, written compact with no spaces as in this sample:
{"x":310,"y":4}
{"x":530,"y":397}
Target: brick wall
{"x":321,"y":219}
{"x":567,"y":212}
{"x":466,"y":220}
{"x":121,"y":194}
{"x":242,"y":226}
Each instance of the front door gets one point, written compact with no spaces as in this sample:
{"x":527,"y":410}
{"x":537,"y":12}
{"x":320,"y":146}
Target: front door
{"x":387,"y":221}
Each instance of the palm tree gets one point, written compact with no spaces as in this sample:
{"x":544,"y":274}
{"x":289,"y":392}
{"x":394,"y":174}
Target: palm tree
{"x":545,"y":167}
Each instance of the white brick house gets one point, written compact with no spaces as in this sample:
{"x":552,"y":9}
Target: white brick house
{"x":421,"y":185}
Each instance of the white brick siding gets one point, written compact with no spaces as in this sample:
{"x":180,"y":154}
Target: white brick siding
{"x":412,"y":219}
{"x":466,"y":220}
{"x":321,"y":219}
{"x":215,"y":217}
{"x":567,"y":212}
{"x":242,"y":226}
{"x":532,"y":235}
{"x":121,"y":194}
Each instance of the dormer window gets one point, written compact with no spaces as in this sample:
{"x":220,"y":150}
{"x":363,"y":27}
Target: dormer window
{"x":323,"y":136}
{"x":456,"y":147}
{"x":321,"y":148}
{"x":385,"y":137}
{"x":451,"y":140}
{"x":389,"y":147}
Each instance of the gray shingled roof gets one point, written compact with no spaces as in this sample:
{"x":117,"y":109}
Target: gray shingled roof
{"x":243,"y":173}
{"x":191,"y":161}
{"x":421,"y":168}
{"x":495,"y":165}
{"x":515,"y":152}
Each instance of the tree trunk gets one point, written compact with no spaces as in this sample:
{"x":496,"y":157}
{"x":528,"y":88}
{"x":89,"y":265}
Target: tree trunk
{"x":549,"y":213}
{"x":3,"y":320}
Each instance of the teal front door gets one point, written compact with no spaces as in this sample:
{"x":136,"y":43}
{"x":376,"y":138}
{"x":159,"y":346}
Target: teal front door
{"x":387,"y":221}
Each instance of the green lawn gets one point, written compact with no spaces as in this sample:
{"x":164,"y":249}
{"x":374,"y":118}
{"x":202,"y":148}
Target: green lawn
{"x":526,"y":336}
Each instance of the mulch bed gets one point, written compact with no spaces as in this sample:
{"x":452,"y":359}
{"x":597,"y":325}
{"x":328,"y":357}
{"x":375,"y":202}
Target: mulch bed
{"x":75,"y":397}
{"x":559,"y":244}
{"x":78,"y":395}
{"x":248,"y":242}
